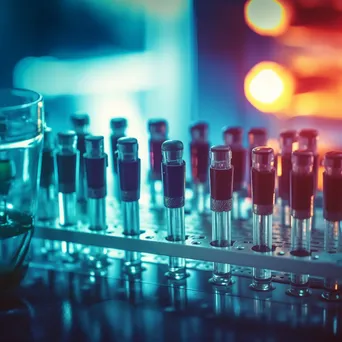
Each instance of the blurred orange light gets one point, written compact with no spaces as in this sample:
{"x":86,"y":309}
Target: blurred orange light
{"x":269,"y":87}
{"x":267,"y":17}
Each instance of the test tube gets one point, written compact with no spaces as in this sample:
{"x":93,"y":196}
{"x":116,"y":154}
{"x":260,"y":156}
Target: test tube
{"x":129,"y":177}
{"x":287,"y":139}
{"x":47,"y":196}
{"x":80,"y":122}
{"x":232,"y":137}
{"x":96,"y":162}
{"x":301,"y":202}
{"x":308,"y":140}
{"x":263,"y":196}
{"x":173,"y":176}
{"x":67,"y":161}
{"x":332,"y":212}
{"x":221,"y":192}
{"x":158,"y":130}
{"x":199,"y":151}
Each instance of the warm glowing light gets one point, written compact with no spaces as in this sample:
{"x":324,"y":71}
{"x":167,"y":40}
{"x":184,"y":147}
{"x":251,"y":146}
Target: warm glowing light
{"x":267,"y":17}
{"x":320,"y":178}
{"x":269,"y":87}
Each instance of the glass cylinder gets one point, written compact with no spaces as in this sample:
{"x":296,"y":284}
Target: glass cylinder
{"x":21,"y":136}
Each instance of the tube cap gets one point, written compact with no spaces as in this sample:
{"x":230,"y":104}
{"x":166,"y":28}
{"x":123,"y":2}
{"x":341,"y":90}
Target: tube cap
{"x":172,"y":145}
{"x":302,"y":158}
{"x":127,"y":148}
{"x":94,"y":145}
{"x":157,"y":126}
{"x":257,"y":136}
{"x":118,"y":123}
{"x":263,"y":158}
{"x":172,"y":151}
{"x":67,"y":140}
{"x":80,"y":119}
{"x":333,"y":160}
{"x":308,"y":133}
{"x":232,"y":135}
{"x":220,"y":154}
{"x":199,"y":130}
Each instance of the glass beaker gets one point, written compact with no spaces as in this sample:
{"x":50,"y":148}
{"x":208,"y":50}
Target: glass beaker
{"x":21,"y":135}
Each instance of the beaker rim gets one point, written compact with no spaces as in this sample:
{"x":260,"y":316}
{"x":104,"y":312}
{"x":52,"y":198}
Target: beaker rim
{"x":33,"y":99}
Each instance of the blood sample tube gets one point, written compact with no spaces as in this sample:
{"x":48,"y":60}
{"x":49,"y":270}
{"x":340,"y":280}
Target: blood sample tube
{"x":199,"y":151}
{"x":301,"y":202}
{"x":67,"y":158}
{"x":263,"y":196}
{"x":233,"y":137}
{"x":129,"y":177}
{"x":81,"y":126}
{"x":47,"y":192}
{"x":332,"y":212}
{"x":173,"y":176}
{"x":96,"y":162}
{"x":287,"y":139}
{"x":221,"y":193}
{"x":158,"y":130}
{"x":308,"y":140}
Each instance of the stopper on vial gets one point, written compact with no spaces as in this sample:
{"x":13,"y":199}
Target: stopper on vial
{"x":158,"y":128}
{"x":127,"y":148}
{"x":172,"y":151}
{"x":257,"y":137}
{"x":333,"y":162}
{"x":287,"y":138}
{"x":302,"y":160}
{"x":199,"y":131}
{"x":118,"y":124}
{"x":48,"y":138}
{"x":263,"y":158}
{"x":220,"y":156}
{"x":308,"y":140}
{"x":67,"y":140}
{"x":94,"y":146}
{"x":80,"y":122}
{"x":232,"y":135}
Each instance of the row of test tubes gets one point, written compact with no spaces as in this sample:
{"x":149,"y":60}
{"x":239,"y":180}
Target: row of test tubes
{"x":225,"y":173}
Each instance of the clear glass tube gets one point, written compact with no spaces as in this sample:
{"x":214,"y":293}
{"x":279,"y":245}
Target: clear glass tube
{"x":221,"y":206}
{"x":127,"y":153}
{"x":302,"y":168}
{"x":221,"y":237}
{"x":67,"y":209}
{"x":131,"y":221}
{"x":333,"y":244}
{"x":21,"y":139}
{"x":172,"y":152}
{"x":263,"y":203}
{"x":262,"y":241}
